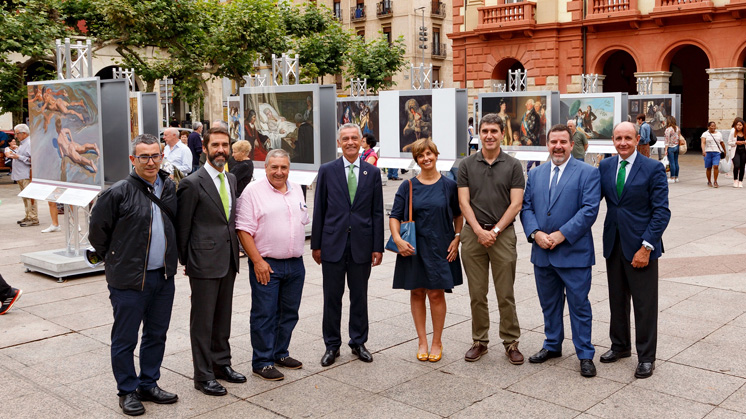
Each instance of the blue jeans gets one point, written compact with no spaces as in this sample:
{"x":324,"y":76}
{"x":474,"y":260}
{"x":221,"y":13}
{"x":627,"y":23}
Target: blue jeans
{"x":150,"y":307}
{"x":274,"y":309}
{"x":392,"y":173}
{"x":673,"y":160}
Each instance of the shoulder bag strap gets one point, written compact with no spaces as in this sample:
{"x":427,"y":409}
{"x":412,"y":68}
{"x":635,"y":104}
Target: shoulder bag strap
{"x":720,"y":150}
{"x":410,"y":200}
{"x":146,"y":190}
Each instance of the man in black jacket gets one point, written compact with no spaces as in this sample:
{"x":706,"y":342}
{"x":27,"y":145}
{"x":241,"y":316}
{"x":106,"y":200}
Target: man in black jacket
{"x":136,"y":240}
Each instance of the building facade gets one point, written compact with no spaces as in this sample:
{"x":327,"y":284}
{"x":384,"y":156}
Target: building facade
{"x":401,"y":17}
{"x":696,"y":48}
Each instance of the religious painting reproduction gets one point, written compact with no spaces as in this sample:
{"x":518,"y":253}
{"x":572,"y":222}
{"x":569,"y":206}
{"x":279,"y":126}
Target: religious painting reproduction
{"x":280,"y":120}
{"x":526,"y":119}
{"x":415,"y":120}
{"x":593,"y":115}
{"x":65,"y":129}
{"x":656,"y":109}
{"x":234,"y":118}
{"x":360,"y":111}
{"x":134,"y":118}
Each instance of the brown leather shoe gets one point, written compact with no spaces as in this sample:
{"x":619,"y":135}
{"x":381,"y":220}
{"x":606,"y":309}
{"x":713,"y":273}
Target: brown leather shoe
{"x":475,"y":352}
{"x":514,"y":355}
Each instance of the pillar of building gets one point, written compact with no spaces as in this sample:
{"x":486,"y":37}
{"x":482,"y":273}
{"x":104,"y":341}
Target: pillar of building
{"x":726,"y":94}
{"x":661,"y":80}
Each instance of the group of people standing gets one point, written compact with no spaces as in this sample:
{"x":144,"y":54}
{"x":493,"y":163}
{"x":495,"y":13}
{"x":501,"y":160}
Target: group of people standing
{"x":143,"y":227}
{"x":714,"y":150}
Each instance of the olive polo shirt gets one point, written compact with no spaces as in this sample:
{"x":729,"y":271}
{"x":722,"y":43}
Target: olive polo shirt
{"x":579,"y":141}
{"x":490,"y":184}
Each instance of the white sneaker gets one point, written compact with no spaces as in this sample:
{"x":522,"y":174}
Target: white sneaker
{"x":671,"y":180}
{"x":735,"y":183}
{"x":677,"y":180}
{"x":740,"y":184}
{"x":52,"y":229}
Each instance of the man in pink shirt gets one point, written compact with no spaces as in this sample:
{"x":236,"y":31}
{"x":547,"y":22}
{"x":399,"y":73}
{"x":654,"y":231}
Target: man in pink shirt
{"x":271,"y":216}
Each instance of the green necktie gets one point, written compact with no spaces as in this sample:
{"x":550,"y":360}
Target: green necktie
{"x":352,"y":183}
{"x":224,"y":196}
{"x":620,"y":177}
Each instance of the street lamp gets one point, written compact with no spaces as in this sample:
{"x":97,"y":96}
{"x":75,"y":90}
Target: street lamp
{"x":423,"y":34}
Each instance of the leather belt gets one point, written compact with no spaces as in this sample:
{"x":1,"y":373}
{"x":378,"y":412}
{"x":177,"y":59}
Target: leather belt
{"x":488,"y":226}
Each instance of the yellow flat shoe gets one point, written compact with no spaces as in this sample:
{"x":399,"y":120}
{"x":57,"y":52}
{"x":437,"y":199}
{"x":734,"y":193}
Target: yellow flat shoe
{"x":422,"y":357}
{"x":434,"y":357}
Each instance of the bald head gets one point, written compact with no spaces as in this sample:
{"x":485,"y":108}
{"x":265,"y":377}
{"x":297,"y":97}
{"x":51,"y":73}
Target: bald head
{"x":625,"y":139}
{"x":171,"y":136}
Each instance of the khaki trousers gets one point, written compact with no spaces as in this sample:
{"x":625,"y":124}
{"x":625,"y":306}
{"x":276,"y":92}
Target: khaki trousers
{"x":29,"y":204}
{"x":477,"y":260}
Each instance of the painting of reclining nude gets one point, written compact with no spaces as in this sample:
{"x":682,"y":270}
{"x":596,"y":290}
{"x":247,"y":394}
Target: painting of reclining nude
{"x":360,"y":111}
{"x":415,"y":120}
{"x":524,"y":117}
{"x":280,"y":120}
{"x":593,"y":115}
{"x":66,"y":131}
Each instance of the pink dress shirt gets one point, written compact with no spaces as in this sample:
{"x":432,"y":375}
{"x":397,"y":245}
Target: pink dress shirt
{"x":274,"y":219}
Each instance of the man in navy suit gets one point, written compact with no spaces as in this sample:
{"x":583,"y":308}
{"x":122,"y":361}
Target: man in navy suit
{"x":637,"y":213}
{"x":560,"y":206}
{"x":348,"y":226}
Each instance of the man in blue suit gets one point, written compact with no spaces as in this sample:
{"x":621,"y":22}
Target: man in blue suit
{"x":347,"y":239}
{"x":636,"y":193}
{"x":560,"y":206}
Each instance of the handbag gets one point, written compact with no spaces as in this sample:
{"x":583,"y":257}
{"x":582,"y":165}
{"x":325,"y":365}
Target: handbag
{"x":664,"y":162}
{"x":682,"y":145}
{"x":406,"y":231}
{"x":725,"y":166}
{"x":722,"y":153}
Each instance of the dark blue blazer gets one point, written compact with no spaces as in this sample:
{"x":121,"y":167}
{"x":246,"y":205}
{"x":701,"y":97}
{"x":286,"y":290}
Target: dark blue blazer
{"x":573,"y":212}
{"x":334,"y":215}
{"x":641,"y":213}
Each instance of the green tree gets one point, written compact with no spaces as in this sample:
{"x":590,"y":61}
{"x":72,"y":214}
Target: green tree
{"x":28,"y":29}
{"x":377,"y":61}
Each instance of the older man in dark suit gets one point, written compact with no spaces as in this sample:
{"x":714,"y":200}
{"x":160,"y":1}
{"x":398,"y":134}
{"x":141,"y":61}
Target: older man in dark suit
{"x":347,"y":239}
{"x":637,"y":214}
{"x":208,"y":247}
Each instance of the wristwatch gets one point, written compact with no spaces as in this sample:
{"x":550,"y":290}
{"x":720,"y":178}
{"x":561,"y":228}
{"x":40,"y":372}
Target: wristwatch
{"x":496,"y":230}
{"x":533,"y":235}
{"x":648,"y":247}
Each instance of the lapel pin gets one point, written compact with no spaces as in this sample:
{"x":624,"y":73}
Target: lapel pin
{"x":365,"y":172}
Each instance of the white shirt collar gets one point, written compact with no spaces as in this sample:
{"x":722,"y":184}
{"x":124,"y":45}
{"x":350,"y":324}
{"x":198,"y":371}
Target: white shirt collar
{"x":630,"y":160}
{"x":213,"y":172}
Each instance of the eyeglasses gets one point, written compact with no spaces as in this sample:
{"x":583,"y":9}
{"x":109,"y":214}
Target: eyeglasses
{"x":144,"y":159}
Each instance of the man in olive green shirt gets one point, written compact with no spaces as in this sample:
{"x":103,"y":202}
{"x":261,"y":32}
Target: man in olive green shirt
{"x":580,"y":140}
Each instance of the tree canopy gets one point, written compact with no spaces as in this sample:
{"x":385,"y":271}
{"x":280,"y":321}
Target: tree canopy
{"x":190,"y":41}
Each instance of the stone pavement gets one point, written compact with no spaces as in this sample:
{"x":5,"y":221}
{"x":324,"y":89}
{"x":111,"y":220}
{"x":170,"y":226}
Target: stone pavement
{"x":54,"y":345}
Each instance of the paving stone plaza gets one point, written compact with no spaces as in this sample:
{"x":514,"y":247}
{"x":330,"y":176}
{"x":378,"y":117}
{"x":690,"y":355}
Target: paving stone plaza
{"x":54,"y":344}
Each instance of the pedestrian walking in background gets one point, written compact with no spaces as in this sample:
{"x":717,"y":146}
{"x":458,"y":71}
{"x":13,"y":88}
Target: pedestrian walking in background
{"x":737,"y":152}
{"x":672,"y":147}
{"x":712,"y":146}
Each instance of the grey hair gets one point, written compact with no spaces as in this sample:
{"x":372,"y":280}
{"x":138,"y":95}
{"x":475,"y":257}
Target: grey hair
{"x":219,"y":123}
{"x":196,"y":125}
{"x":22,"y":128}
{"x":144,"y":139}
{"x":493,"y":119}
{"x":350,"y":125}
{"x":570,"y":122}
{"x":172,"y":130}
{"x":276,"y":152}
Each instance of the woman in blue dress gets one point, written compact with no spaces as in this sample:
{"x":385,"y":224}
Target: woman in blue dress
{"x":434,"y":267}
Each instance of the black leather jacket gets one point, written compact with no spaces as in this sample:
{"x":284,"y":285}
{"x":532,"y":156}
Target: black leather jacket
{"x":120,"y":232}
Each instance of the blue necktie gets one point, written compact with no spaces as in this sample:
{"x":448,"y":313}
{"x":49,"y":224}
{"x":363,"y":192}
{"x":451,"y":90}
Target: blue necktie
{"x":553,"y":184}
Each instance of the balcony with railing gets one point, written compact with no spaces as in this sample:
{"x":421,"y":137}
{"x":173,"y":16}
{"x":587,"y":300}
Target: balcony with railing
{"x":438,"y":9}
{"x":612,"y":9}
{"x":385,"y":9}
{"x":506,"y":16}
{"x":684,"y":7}
{"x":357,"y":13}
{"x":439,"y":51}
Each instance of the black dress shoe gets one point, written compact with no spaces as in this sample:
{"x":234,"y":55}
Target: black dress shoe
{"x":210,"y":387}
{"x":362,"y":353}
{"x":587,"y":369}
{"x":329,"y":356}
{"x":644,"y":369}
{"x":131,"y":404}
{"x":543,"y":355}
{"x":229,"y":374}
{"x":157,"y":395}
{"x":614,"y":356}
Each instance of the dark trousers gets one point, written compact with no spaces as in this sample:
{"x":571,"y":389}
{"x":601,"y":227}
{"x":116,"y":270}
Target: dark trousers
{"x":392,"y":173}
{"x":150,"y":307}
{"x":274,"y":309}
{"x":641,"y":284}
{"x":4,"y":288}
{"x":739,"y":161}
{"x":334,"y":288}
{"x":210,"y":323}
{"x":552,"y":284}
